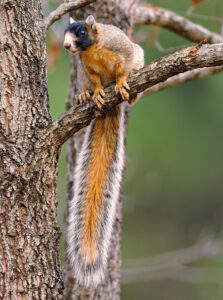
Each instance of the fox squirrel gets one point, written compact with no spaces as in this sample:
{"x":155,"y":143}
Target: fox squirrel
{"x":105,"y":54}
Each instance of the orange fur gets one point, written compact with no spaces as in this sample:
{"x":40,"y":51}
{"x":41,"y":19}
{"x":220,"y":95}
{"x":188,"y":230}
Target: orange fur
{"x":102,"y":67}
{"x":105,"y":66}
{"x":105,"y":134}
{"x":101,"y":62}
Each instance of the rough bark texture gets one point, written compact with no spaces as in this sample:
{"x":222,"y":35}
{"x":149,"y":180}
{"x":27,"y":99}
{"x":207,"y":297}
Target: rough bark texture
{"x":29,"y":254}
{"x":120,"y":14}
{"x":156,"y":72}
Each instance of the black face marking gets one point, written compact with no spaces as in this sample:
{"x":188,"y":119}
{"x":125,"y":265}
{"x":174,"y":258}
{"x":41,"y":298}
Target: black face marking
{"x":80,"y":31}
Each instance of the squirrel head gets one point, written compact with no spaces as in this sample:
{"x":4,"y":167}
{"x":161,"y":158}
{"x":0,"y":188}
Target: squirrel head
{"x":79,"y":36}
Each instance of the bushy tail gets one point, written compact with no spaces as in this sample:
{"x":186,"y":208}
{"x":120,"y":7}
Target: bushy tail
{"x":97,"y":184}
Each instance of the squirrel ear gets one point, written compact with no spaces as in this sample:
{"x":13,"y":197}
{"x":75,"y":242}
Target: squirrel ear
{"x":91,"y":22}
{"x":72,"y":20}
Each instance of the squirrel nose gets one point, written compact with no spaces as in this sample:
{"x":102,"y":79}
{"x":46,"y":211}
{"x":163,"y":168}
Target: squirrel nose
{"x":67,"y":46}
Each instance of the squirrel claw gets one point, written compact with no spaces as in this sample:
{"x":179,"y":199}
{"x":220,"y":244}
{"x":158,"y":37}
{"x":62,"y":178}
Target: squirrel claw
{"x":126,"y":86}
{"x":97,"y":98}
{"x":77,"y":98}
{"x":121,"y":88}
{"x":87,"y":94}
{"x":102,"y":93}
{"x":80,"y":98}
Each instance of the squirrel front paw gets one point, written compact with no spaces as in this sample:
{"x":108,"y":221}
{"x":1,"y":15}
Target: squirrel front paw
{"x":98,"y":97}
{"x":121,"y":88}
{"x":80,"y":98}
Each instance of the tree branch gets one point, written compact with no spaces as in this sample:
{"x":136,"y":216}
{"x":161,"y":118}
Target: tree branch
{"x":183,"y":78}
{"x":64,"y":9}
{"x":158,"y":71}
{"x":171,"y":264}
{"x":153,"y":15}
{"x":178,"y":273}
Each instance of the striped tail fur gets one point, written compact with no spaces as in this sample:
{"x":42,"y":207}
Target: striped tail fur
{"x":97,"y":185}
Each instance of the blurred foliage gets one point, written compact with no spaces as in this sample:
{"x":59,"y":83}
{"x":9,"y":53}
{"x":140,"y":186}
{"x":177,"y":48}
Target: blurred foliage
{"x":173,"y":185}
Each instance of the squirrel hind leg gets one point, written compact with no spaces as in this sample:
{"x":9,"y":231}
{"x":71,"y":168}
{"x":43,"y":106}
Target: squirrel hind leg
{"x":135,"y":99}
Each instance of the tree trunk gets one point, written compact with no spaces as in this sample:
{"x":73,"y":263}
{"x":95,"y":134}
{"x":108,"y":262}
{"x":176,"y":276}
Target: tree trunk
{"x":119,"y":13}
{"x":29,"y":233}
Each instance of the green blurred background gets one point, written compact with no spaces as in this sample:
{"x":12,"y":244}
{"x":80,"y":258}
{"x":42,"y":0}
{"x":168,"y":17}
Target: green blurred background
{"x":173,"y":186}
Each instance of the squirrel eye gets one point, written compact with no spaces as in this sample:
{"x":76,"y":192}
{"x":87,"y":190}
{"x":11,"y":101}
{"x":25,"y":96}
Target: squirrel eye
{"x":82,"y":33}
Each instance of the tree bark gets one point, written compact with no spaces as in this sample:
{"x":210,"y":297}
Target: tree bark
{"x":29,"y":233}
{"x":119,"y":13}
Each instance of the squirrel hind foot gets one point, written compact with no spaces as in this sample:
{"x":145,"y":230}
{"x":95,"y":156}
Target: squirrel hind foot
{"x":133,"y":100}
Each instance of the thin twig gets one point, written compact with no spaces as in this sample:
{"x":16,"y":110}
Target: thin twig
{"x":161,"y":49}
{"x":172,"y":264}
{"x":191,"y":14}
{"x":64,"y":9}
{"x":179,"y":273}
{"x":207,"y":248}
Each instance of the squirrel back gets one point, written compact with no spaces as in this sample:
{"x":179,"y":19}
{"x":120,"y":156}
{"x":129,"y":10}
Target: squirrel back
{"x":114,"y":39}
{"x":105,"y":54}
